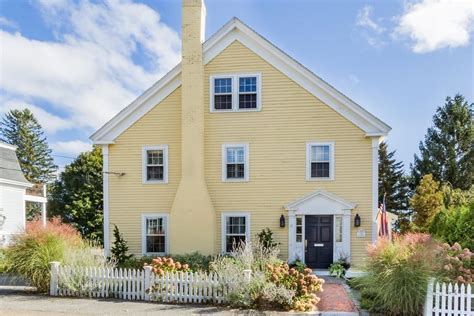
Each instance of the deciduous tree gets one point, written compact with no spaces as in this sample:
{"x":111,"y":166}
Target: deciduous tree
{"x":426,"y":202}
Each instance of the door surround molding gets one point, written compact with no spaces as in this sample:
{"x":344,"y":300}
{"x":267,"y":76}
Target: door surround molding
{"x":320,"y":202}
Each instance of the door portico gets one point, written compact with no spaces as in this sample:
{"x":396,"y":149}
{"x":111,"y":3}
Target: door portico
{"x":319,"y":203}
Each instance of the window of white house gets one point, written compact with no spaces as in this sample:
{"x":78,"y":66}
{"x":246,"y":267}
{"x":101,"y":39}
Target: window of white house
{"x":299,"y":229}
{"x":154,"y":233}
{"x":235,"y":162}
{"x":338,"y":225}
{"x":320,"y":161}
{"x":155,"y":164}
{"x":235,"y":230}
{"x":235,"y":92}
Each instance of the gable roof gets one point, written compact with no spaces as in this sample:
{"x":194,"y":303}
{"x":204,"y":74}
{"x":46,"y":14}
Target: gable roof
{"x":10,"y":171}
{"x":236,"y":30}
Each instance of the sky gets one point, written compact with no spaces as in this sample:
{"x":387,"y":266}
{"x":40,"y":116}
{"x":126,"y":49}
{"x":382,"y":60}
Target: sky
{"x":76,"y":63}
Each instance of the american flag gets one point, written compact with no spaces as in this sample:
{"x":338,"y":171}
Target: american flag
{"x":383,"y":221}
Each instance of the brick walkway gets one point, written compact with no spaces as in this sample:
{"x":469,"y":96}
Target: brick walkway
{"x":334,"y":298}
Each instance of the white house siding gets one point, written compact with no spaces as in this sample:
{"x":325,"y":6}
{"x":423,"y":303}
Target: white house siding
{"x":12,"y":206}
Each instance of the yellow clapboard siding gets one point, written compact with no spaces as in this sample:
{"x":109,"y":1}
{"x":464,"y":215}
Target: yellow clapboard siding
{"x":277,"y":138}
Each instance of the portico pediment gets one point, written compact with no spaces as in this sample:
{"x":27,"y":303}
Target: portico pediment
{"x":320,"y":202}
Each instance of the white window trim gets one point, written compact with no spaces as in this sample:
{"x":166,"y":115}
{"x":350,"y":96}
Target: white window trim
{"x":332,"y":161}
{"x":235,"y":92}
{"x":246,"y":163}
{"x":224,"y":216}
{"x":146,"y":216}
{"x":165,"y":164}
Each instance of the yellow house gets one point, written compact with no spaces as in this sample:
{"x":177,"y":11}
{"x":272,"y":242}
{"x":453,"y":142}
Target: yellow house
{"x":236,"y":138}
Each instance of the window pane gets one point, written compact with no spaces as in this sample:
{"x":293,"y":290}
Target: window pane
{"x":299,"y":221}
{"x":155,"y":244}
{"x":320,"y":153}
{"x":223,"y":85}
{"x":235,"y":225}
{"x":248,"y":84}
{"x":320,"y":170}
{"x":248,"y":101}
{"x":235,"y":171}
{"x":338,"y":229}
{"x":233,"y":242}
{"x":223,"y":102}
{"x":299,"y":238}
{"x":154,"y":173}
{"x":155,"y":226}
{"x":235,"y":155}
{"x":299,"y":229}
{"x":155,"y":157}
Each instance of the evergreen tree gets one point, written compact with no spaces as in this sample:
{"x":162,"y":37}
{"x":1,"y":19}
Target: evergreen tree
{"x":447,"y":151}
{"x":20,"y":128}
{"x":77,"y":195}
{"x":392,"y":182}
{"x":426,"y":202}
{"x":120,"y":248}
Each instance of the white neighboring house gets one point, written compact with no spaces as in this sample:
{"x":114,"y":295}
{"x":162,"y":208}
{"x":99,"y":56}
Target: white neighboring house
{"x":15,"y":190}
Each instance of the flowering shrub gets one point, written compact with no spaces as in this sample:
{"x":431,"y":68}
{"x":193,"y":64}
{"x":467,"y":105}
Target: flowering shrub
{"x":455,"y":264}
{"x":305,"y":285}
{"x":160,"y":265}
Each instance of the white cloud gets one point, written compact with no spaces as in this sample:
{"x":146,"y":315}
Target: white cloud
{"x":49,"y":122}
{"x":436,"y":24}
{"x":364,"y":19}
{"x":7,"y":23}
{"x":88,"y":72}
{"x":72,"y":148}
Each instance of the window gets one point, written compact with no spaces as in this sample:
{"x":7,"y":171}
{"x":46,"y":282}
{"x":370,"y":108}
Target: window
{"x":338,"y":225}
{"x":235,"y":162}
{"x":247,"y":92}
{"x":299,"y":229}
{"x":155,"y":164}
{"x":235,"y":230}
{"x":154,"y":233}
{"x":236,"y":92}
{"x":223,"y":93}
{"x":320,"y":161}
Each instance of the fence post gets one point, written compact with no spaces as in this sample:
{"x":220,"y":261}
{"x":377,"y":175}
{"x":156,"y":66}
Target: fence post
{"x":247,"y":275}
{"x":147,"y":282}
{"x":429,"y":298}
{"x":53,"y":285}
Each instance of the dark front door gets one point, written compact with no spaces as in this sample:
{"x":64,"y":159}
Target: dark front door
{"x":319,"y":241}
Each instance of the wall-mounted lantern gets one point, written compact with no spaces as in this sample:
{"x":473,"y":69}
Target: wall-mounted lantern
{"x":282,"y":221}
{"x":357,"y":220}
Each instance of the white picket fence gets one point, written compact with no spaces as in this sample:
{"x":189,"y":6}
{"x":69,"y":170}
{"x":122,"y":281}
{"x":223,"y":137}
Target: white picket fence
{"x":131,"y":284}
{"x":448,"y":299}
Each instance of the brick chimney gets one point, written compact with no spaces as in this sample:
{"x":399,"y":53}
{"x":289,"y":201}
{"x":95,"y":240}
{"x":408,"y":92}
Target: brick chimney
{"x":192,"y":217}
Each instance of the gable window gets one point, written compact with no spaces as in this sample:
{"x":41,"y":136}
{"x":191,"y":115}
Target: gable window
{"x":247,"y":92}
{"x":155,"y":164}
{"x":320,"y":161}
{"x":235,"y":230}
{"x":223,"y":93}
{"x":235,"y":162}
{"x":154,"y":233}
{"x":236,"y":92}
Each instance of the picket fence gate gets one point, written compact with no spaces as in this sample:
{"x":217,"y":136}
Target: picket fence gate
{"x":132,"y":284}
{"x":448,"y":299}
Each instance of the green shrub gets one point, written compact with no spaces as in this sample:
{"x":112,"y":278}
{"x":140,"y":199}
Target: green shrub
{"x":455,"y":225}
{"x":298,"y":265}
{"x":195,"y":260}
{"x":120,"y":248}
{"x":265,"y":238}
{"x":337,"y":269}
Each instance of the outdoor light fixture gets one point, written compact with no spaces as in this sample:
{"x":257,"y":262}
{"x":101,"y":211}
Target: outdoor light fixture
{"x":282,"y":221}
{"x":357,"y":220}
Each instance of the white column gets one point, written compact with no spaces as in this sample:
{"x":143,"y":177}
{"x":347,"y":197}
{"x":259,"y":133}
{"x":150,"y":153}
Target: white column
{"x":291,"y":236}
{"x":375,"y":185}
{"x":105,"y":185}
{"x":43,"y":206}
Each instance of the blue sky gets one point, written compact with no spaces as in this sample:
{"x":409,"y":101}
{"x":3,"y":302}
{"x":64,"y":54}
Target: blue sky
{"x":77,"y":63}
